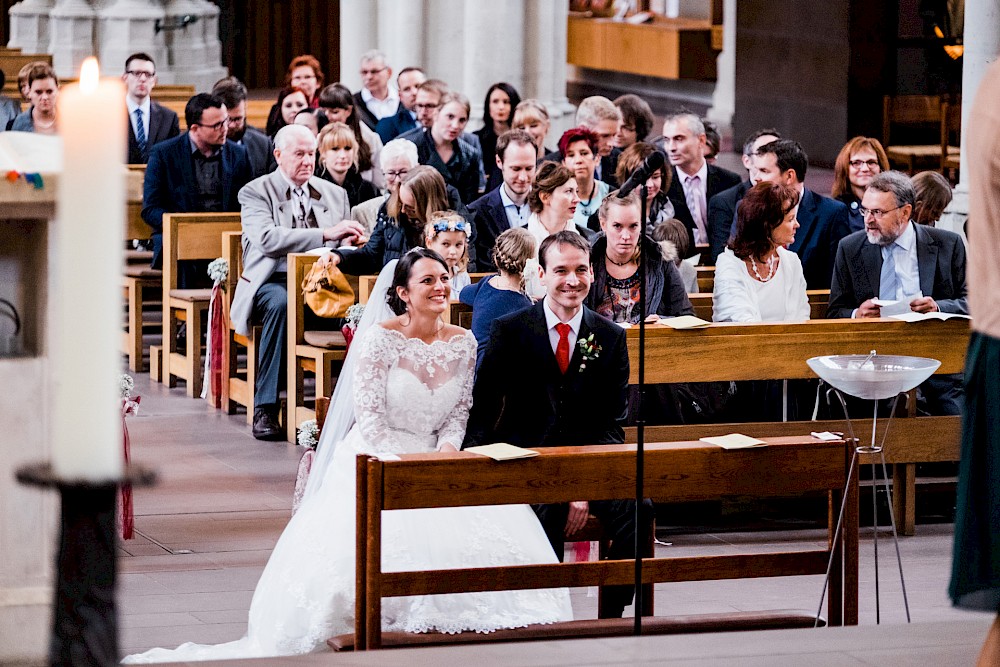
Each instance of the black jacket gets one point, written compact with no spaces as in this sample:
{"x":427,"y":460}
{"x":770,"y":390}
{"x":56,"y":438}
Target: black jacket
{"x":722,"y":217}
{"x":665,"y":293}
{"x":719,"y":179}
{"x":161,"y":125}
{"x":461,"y":172}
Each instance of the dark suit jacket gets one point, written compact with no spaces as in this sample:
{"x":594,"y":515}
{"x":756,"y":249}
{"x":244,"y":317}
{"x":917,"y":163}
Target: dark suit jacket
{"x":822,"y":223}
{"x":391,"y":127}
{"x":364,"y":112}
{"x":940,"y":265}
{"x":260,"y":152}
{"x":489,"y":220}
{"x":520,"y":396}
{"x":170,"y":185}
{"x":722,"y":216}
{"x":719,"y":179}
{"x":163,"y":125}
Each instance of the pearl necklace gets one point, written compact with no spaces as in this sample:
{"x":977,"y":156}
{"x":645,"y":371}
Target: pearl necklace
{"x":772,"y":264}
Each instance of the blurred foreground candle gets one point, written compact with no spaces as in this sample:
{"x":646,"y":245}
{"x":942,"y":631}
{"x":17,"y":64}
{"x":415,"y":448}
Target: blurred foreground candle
{"x":87,"y":307}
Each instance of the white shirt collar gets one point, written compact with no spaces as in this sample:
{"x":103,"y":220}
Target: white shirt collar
{"x":551,"y":319}
{"x":367,"y":96}
{"x":506,"y":200}
{"x":908,"y":238}
{"x":701,"y":173}
{"x":132,"y":106}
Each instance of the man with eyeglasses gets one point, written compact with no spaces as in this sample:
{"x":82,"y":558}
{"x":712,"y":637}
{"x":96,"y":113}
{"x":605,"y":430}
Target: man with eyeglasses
{"x":260,"y":150}
{"x":376,"y":99}
{"x":895,"y":259}
{"x":149,"y":122}
{"x":196,"y":172}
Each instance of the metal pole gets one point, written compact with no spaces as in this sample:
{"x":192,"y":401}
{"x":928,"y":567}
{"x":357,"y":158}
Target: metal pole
{"x":641,"y":421}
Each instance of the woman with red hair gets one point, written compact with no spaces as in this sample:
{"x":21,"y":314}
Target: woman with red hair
{"x":860,"y":160}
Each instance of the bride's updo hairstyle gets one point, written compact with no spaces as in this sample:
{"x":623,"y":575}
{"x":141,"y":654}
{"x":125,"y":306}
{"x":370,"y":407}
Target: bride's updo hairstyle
{"x":401,"y":278}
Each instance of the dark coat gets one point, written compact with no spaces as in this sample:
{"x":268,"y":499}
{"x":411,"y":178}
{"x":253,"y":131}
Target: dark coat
{"x":358,"y":189}
{"x":490,"y":220}
{"x":665,"y":294}
{"x":260,"y":151}
{"x":461,"y":172}
{"x":722,"y":217}
{"x":162,"y":124}
{"x":391,"y":127}
{"x":719,"y":179}
{"x":940,"y":265}
{"x":364,"y":113}
{"x":822,"y":223}
{"x":522,"y":398}
{"x":854,"y":218}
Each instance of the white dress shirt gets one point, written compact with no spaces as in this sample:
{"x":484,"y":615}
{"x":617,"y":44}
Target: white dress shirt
{"x":696,"y":198}
{"x":381,"y":108}
{"x":551,"y":320}
{"x":904,"y":253}
{"x":517,"y":216}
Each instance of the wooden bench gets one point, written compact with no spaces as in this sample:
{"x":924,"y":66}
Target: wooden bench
{"x":137,"y":277}
{"x":818,"y":301}
{"x":188,"y":236}
{"x":725,"y":351}
{"x":680,"y":471}
{"x":237,"y":382}
{"x":257,"y":113}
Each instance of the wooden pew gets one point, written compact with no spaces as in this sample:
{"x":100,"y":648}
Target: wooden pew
{"x":188,"y":236}
{"x":237,"y":383}
{"x":679,"y":471}
{"x":818,"y":302}
{"x":137,"y":277}
{"x":725,"y":351}
{"x":257,"y":113}
{"x":706,"y":279}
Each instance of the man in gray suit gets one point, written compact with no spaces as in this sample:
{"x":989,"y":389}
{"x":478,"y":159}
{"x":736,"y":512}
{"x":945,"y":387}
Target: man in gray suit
{"x":288,"y":210}
{"x":894,"y":258}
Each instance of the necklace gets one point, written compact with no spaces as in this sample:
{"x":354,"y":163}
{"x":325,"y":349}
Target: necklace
{"x":593,"y":189}
{"x":772,"y":264}
{"x":38,"y":123}
{"x":625,"y":263}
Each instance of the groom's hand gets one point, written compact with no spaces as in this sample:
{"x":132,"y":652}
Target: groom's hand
{"x":577,"y":518}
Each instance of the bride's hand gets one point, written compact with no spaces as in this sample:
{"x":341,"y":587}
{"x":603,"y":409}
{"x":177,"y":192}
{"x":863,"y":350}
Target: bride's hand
{"x":447,"y":447}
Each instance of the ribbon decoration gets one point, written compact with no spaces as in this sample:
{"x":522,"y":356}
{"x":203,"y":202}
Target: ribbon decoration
{"x":212,"y":390}
{"x":126,"y":510}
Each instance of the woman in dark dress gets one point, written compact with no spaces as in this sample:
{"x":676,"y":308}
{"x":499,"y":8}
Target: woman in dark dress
{"x":338,"y":157}
{"x":860,"y":160}
{"x":498,"y":111}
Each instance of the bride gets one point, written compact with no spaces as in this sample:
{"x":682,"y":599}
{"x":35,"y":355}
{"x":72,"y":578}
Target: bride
{"x":413,"y":378}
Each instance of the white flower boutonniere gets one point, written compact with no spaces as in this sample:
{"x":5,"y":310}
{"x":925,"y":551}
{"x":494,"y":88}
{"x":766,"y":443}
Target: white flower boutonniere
{"x":589,"y":349}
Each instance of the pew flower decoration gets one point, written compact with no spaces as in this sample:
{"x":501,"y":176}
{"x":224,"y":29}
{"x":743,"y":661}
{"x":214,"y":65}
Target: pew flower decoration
{"x":308,"y":434}
{"x":354,"y":314}
{"x":218,"y":271}
{"x":589,"y":350}
{"x":125,"y":386}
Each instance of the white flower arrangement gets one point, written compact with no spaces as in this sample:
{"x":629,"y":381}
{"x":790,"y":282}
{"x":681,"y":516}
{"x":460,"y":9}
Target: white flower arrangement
{"x":354,"y":314}
{"x":308,"y":434}
{"x":125,"y":385}
{"x":218,"y":271}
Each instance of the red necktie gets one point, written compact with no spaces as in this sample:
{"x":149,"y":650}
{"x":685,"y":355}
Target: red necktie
{"x":562,"y":349}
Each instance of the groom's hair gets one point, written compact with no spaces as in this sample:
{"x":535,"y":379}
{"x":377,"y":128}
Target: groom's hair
{"x":564,"y":237}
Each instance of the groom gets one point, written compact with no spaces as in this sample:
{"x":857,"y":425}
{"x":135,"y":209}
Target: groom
{"x":554,"y":375}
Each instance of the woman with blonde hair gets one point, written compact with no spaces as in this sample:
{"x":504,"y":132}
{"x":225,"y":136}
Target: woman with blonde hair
{"x":860,"y":160}
{"x":503,"y":293}
{"x":532,"y":117}
{"x":338,"y":159}
{"x":447,"y":233}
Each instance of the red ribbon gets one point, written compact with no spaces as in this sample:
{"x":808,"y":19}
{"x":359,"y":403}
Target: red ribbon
{"x":215,"y":357}
{"x":126,"y":511}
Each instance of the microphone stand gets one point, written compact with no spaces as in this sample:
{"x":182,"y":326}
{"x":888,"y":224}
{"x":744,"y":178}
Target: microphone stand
{"x":641,"y":421}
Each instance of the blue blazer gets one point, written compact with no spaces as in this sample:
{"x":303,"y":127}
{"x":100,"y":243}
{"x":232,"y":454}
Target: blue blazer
{"x":822,"y":223}
{"x":391,"y":127}
{"x":490,"y":220}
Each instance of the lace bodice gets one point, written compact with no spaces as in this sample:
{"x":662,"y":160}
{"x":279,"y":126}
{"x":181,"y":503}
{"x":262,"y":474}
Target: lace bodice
{"x":410,"y":396}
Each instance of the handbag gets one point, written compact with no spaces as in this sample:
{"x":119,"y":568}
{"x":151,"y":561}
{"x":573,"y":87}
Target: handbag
{"x":326,"y":291}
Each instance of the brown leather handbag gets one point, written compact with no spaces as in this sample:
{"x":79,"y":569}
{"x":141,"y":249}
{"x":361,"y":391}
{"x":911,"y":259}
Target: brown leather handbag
{"x":326,"y":291}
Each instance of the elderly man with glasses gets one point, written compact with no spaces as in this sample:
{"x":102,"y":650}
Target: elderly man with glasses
{"x":149,"y":122}
{"x":376,"y":99}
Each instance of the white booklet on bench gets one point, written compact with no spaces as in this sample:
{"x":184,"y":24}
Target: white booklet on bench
{"x":734,"y":441}
{"x":502,"y":451}
{"x":912,"y":316}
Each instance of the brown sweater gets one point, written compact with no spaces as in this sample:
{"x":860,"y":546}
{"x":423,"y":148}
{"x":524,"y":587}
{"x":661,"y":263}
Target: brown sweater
{"x":983,"y":150}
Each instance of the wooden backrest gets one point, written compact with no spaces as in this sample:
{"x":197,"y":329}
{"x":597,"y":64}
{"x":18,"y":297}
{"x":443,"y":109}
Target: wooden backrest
{"x":193,"y":236}
{"x":818,"y":302}
{"x":706,"y":278}
{"x":912,"y":110}
{"x":298,"y":266}
{"x":766,"y":351}
{"x":135,"y":226}
{"x":232,"y":252}
{"x":257,"y":113}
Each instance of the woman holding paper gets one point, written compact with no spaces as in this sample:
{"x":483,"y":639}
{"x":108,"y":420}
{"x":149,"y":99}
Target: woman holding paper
{"x":406,"y":388}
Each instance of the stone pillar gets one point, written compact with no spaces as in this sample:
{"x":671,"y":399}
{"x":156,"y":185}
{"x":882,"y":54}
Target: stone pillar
{"x":724,"y":98}
{"x":400,"y":32}
{"x":445,"y":37}
{"x":485,"y":63}
{"x":71,"y":36}
{"x":559,"y":38}
{"x":125,"y":27}
{"x":982,"y":46}
{"x":194,"y":50}
{"x":359,"y":20}
{"x":29,"y":26}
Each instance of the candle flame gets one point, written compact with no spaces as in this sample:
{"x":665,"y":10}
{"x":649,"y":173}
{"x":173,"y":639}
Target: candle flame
{"x":90,"y":74}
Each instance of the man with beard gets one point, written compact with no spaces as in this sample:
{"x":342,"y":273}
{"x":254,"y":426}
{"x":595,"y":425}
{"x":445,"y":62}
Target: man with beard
{"x":149,"y":122}
{"x":260,"y":151}
{"x":196,"y":172}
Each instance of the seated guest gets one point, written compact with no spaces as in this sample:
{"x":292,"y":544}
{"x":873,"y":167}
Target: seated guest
{"x":933,"y":193}
{"x":447,"y":234}
{"x":441,"y":146}
{"x":149,"y":122}
{"x":532,"y":117}
{"x":599,"y":115}
{"x":405,"y":119}
{"x":578,"y":146}
{"x":507,"y":206}
{"x":9,"y":109}
{"x":397,"y":158}
{"x":501,"y":98}
{"x":615,"y":258}
{"x":722,"y":207}
{"x":673,"y":239}
{"x":637,"y":121}
{"x":260,"y":150}
{"x":376,"y":99}
{"x":429,"y":96}
{"x":756,"y":279}
{"x":895,"y":259}
{"x":289,"y":210}
{"x":338,"y":157}
{"x":822,"y":221}
{"x":713,"y":141}
{"x":43,"y":90}
{"x":502,"y":294}
{"x":305,"y":73}
{"x":658,"y":206}
{"x":312,"y":119}
{"x":336,"y":102}
{"x":199,"y":171}
{"x":859,"y":161}
{"x":290,"y":102}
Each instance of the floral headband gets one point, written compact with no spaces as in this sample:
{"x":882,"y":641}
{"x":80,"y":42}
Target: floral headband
{"x":452,"y":225}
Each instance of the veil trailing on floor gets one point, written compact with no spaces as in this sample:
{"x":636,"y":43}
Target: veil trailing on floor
{"x":340,"y":418}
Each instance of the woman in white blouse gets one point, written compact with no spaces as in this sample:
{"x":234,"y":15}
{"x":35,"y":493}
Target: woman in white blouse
{"x":756,"y":278}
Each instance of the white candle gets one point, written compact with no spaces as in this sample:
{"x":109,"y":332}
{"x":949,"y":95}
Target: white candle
{"x":87,"y":307}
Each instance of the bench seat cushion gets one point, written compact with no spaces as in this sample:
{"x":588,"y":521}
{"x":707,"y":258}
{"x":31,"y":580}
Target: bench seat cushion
{"x":191,"y":294}
{"x":136,"y":256}
{"x":139,"y":271}
{"x":325,"y":339}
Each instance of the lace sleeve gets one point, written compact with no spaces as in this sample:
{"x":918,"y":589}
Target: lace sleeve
{"x":370,"y":379}
{"x":452,"y":430}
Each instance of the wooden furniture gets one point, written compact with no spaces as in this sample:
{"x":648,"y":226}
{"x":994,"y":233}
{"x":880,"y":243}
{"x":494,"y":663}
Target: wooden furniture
{"x":237,"y":381}
{"x":257,"y":113}
{"x":137,"y":277}
{"x":706,"y":278}
{"x":666,"y":48}
{"x":927,"y":111}
{"x":188,"y":236}
{"x":314,"y":352}
{"x":819,"y":300}
{"x":787,"y":467}
{"x":725,"y":351}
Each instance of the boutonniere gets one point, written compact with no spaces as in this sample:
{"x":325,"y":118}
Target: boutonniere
{"x":589,"y":349}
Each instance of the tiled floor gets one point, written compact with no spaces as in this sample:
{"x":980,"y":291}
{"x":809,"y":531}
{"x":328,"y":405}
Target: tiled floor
{"x":205,"y":532}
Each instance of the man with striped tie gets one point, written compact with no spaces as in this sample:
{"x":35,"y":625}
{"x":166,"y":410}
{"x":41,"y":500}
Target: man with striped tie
{"x":149,"y":122}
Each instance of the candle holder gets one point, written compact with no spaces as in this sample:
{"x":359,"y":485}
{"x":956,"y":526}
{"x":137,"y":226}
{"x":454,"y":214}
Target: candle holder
{"x":85,"y":618}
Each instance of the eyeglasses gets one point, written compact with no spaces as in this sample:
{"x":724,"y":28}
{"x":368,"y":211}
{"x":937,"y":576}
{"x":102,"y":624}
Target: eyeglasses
{"x":397,"y":174}
{"x":236,"y":120}
{"x":876,"y":213}
{"x":426,"y":107}
{"x":140,"y":75}
{"x":872,"y":164}
{"x":373,"y":72}
{"x":214,"y":126}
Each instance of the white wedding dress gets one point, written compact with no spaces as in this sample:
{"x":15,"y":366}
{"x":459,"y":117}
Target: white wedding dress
{"x":409,"y":398}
